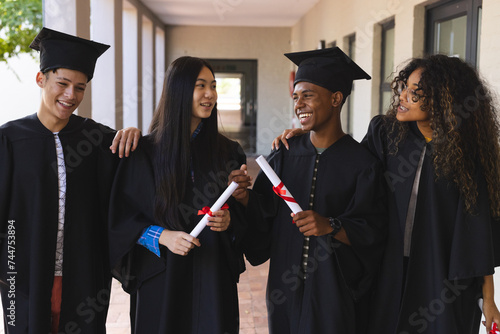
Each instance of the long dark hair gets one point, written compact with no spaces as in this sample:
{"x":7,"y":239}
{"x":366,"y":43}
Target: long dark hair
{"x":463,"y":118}
{"x":171,"y":132}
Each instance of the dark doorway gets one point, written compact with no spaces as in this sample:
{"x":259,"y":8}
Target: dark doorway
{"x":237,"y":90}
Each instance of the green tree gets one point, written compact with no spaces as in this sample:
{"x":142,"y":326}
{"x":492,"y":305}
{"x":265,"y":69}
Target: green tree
{"x":20,"y":21}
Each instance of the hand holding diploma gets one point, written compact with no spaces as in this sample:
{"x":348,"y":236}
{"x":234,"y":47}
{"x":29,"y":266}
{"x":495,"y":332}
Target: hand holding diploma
{"x":311,"y":223}
{"x":244,"y":181}
{"x":278,"y":186}
{"x":494,"y":328}
{"x":178,"y":242}
{"x":216,"y":207}
{"x":220,"y":220}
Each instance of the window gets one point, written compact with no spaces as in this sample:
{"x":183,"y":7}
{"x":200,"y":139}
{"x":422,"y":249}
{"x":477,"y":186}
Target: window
{"x":454,"y":28}
{"x":386,"y":66}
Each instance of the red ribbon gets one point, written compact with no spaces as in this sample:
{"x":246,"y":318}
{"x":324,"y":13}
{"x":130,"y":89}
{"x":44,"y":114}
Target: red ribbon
{"x":206,"y":210}
{"x":281,"y":192}
{"x":494,"y":329}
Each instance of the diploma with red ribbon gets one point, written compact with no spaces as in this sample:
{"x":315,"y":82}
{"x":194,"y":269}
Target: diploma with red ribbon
{"x":278,"y":186}
{"x":206,"y":210}
{"x":216,"y":207}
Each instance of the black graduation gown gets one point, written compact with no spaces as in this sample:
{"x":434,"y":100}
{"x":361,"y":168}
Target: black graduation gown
{"x":29,"y":206}
{"x":450,"y":251}
{"x":196,"y":293}
{"x":349,"y":187}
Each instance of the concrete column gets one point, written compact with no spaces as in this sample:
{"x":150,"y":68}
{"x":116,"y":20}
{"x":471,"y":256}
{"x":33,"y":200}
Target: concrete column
{"x":104,"y":30}
{"x":71,"y":17}
{"x":118,"y":16}
{"x":403,"y":32}
{"x":139,"y":51}
{"x":83,"y":30}
{"x":60,"y":15}
{"x":130,"y":65}
{"x":147,"y":73}
{"x":160,"y":63}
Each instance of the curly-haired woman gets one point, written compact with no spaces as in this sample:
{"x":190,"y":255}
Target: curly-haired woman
{"x":439,"y":143}
{"x":440,"y":146}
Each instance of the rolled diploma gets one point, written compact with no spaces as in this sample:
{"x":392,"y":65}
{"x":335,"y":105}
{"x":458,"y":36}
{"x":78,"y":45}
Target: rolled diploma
{"x":275,"y":180}
{"x":216,"y":207}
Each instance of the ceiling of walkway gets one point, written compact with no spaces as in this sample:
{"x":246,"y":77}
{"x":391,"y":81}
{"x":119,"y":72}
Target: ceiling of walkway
{"x":250,"y":13}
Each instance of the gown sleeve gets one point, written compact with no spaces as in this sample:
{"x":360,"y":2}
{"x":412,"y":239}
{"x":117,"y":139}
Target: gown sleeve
{"x":5,"y":182}
{"x":151,"y":239}
{"x":365,"y":222}
{"x":232,"y":238}
{"x":474,"y":241}
{"x":131,"y":211}
{"x":261,"y":211}
{"x":238,"y":226}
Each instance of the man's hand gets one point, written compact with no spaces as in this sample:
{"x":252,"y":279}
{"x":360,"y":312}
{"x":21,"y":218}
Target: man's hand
{"x":125,"y":140}
{"x":311,"y":223}
{"x":244,"y":181}
{"x":220,"y":221}
{"x":287,"y":134}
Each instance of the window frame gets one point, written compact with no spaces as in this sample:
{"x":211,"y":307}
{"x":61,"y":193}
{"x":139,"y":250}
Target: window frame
{"x":447,"y":10}
{"x":384,"y":86}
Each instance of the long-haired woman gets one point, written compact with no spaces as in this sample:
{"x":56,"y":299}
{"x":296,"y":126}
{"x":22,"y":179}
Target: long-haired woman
{"x":183,"y":284}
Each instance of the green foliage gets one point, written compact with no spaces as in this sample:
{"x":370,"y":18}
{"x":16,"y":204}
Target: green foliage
{"x":20,"y":21}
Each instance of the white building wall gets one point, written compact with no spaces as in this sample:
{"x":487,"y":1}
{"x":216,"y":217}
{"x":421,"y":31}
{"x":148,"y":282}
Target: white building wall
{"x":114,"y":96}
{"x":267,"y":45}
{"x":130,"y":66}
{"x":60,"y":15}
{"x":490,"y":44}
{"x":103,"y":97}
{"x":490,"y":69}
{"x":147,"y":73}
{"x":19,"y":92}
{"x":332,"y":20}
{"x":159,"y":63}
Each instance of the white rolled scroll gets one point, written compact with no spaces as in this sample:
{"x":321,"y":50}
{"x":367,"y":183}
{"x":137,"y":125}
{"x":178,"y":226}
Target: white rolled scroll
{"x":216,"y":207}
{"x":279,"y":187}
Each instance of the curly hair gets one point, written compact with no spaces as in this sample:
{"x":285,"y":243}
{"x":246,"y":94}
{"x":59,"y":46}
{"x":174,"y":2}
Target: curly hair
{"x":463,"y":121}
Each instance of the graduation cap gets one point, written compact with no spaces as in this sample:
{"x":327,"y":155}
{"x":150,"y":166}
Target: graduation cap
{"x":60,"y":50}
{"x":329,"y":68}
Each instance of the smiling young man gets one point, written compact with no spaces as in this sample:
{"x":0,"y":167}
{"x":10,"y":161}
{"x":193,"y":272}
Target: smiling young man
{"x":322,"y":263}
{"x":56,"y":171}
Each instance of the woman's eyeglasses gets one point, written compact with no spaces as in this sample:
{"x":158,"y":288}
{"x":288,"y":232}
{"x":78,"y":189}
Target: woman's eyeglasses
{"x":411,"y":95}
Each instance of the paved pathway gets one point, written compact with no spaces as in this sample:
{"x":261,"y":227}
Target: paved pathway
{"x":251,"y":291}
